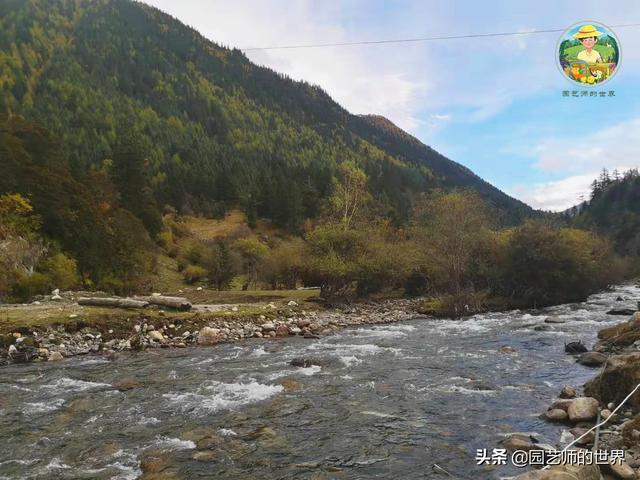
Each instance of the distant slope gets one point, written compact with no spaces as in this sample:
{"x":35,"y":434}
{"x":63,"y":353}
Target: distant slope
{"x":219,"y":131}
{"x":397,"y":142}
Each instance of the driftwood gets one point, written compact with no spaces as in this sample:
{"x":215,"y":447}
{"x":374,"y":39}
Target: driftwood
{"x":177,"y":303}
{"x":114,"y":302}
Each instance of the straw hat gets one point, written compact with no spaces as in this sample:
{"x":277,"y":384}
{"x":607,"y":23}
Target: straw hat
{"x":587,"y":31}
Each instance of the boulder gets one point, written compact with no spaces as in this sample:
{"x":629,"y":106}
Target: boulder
{"x":619,"y":378}
{"x":209,"y":336}
{"x":621,"y":470}
{"x":621,"y":334}
{"x":562,"y":404}
{"x":592,"y":359}
{"x":583,"y":409}
{"x":575,"y":348}
{"x":564,"y":472}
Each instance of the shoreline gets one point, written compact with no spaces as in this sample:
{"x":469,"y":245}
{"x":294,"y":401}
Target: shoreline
{"x":605,"y":418}
{"x":205,"y":325}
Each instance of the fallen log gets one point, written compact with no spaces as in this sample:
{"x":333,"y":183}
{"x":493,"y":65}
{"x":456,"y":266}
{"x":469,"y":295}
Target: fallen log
{"x":114,"y":302}
{"x":177,"y":303}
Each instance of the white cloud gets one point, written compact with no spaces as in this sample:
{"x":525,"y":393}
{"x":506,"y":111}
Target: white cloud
{"x":613,"y":147}
{"x":604,"y":148}
{"x":356,"y":77}
{"x":558,"y":195}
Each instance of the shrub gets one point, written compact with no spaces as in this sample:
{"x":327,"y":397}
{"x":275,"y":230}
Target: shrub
{"x":61,"y":271}
{"x":546,"y":265}
{"x":194,"y":273}
{"x":27,"y":286}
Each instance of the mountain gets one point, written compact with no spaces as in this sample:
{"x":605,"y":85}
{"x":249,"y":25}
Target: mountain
{"x":216,"y":130}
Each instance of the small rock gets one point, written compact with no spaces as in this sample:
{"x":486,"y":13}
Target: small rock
{"x":156,"y":336}
{"x":291,"y":385}
{"x":507,"y":349}
{"x":303,"y":322}
{"x":554,"y":320}
{"x":567,"y":392}
{"x":55,"y":357}
{"x":126,"y":384}
{"x":209,"y":336}
{"x":579,"y":432}
{"x":282,"y":331}
{"x":205,"y":456}
{"x":518,"y":441}
{"x":292,"y":304}
{"x":556,"y":415}
{"x":605,"y":413}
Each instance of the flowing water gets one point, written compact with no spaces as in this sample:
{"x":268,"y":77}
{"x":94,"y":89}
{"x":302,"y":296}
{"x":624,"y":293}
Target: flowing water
{"x":388,"y":402}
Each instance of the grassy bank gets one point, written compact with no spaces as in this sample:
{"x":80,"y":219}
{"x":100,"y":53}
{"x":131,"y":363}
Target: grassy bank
{"x":228,"y":304}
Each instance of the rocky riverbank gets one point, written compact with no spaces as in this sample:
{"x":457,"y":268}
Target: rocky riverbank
{"x":207,"y":325}
{"x":604,"y":403}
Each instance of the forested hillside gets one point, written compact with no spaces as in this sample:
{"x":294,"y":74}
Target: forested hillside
{"x":614,"y":210}
{"x":216,"y":130}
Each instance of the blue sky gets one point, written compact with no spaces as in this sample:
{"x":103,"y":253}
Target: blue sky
{"x":492,"y":104}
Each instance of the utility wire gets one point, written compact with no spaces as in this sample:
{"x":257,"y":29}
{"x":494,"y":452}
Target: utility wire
{"x":419,"y":39}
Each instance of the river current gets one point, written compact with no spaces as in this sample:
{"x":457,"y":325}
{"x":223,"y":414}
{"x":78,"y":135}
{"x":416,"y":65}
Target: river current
{"x":387,"y":401}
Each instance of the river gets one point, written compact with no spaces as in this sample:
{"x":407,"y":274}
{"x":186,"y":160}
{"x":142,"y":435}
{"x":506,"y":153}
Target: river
{"x":388,"y":401}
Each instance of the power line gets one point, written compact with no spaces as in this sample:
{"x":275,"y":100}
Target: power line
{"x":420,"y":39}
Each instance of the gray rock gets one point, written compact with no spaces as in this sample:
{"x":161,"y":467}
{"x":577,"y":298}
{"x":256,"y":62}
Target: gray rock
{"x":592,"y":359}
{"x":556,"y":415}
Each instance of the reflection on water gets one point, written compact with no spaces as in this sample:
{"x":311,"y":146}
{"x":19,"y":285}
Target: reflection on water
{"x":385,"y":401}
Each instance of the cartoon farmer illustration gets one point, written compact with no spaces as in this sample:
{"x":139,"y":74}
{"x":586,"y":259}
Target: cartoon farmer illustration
{"x":588,"y":37}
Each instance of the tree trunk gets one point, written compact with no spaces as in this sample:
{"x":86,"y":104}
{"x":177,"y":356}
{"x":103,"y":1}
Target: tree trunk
{"x":114,"y":302}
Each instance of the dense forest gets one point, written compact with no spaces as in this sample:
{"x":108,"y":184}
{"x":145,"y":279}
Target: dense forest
{"x":614,"y":209}
{"x":218,"y":131}
{"x":117,"y":123}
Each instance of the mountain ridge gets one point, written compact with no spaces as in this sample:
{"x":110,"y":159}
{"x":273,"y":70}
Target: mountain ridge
{"x":219,"y":129}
